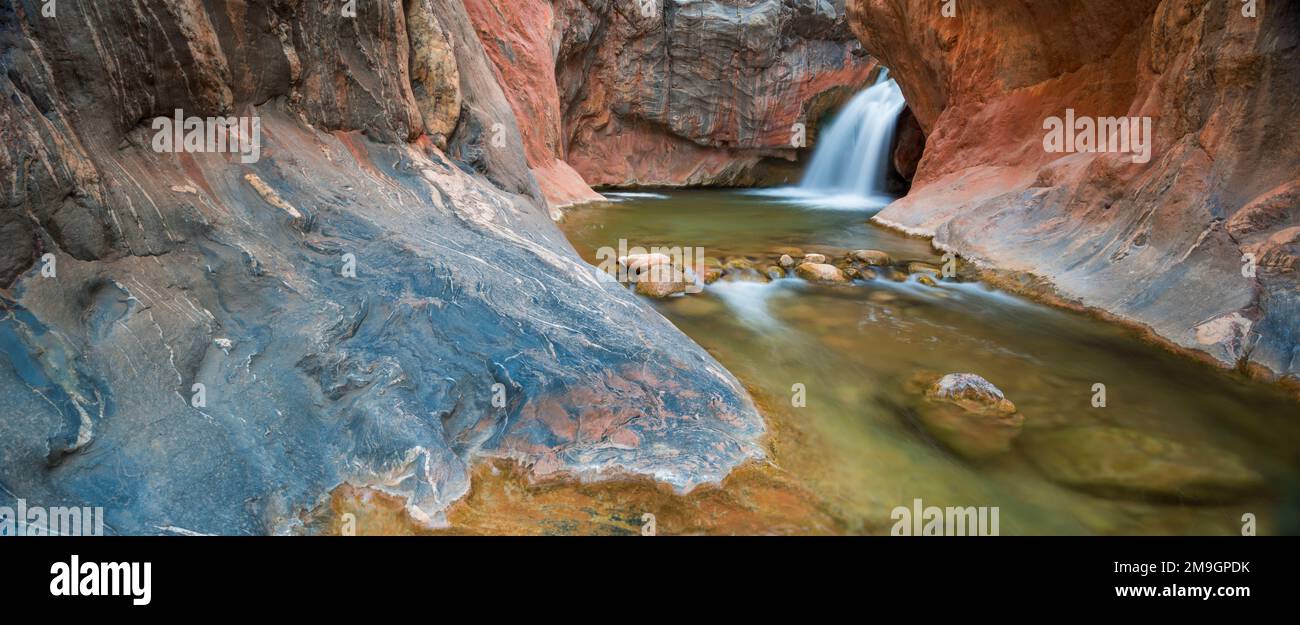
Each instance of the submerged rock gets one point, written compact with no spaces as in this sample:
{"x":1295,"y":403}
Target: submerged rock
{"x":970,"y":415}
{"x":737,"y":263}
{"x":1118,"y":462}
{"x":819,"y":272}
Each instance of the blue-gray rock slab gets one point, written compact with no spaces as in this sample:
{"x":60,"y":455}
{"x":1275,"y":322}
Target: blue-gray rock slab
{"x":463,"y":294}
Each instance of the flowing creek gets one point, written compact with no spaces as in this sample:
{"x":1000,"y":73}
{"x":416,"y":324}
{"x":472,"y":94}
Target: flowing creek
{"x":856,"y":447}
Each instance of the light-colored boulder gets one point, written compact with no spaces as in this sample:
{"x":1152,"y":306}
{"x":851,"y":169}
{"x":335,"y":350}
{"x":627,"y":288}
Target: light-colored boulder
{"x":872,"y":257}
{"x":655,"y":275}
{"x":819,"y":272}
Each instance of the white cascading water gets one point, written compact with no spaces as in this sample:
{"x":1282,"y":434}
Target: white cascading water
{"x":851,"y":159}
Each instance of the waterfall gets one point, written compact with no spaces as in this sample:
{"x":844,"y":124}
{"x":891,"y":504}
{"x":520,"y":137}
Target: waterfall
{"x":852,"y":155}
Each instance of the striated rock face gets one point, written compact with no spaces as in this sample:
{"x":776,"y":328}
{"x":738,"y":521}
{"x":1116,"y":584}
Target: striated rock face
{"x":1199,"y":243}
{"x":698,"y":92}
{"x":520,"y":38}
{"x":199,"y":340}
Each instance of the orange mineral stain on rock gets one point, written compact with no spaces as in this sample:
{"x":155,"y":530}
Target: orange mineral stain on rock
{"x":754,"y":499}
{"x":758,"y":497}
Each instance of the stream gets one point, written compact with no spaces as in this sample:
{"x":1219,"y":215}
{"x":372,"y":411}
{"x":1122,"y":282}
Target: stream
{"x":855,"y":444}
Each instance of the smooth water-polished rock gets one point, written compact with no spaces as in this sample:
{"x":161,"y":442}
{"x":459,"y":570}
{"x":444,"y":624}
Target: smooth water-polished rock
{"x":819,"y":272}
{"x":661,"y":285}
{"x":969,"y":415}
{"x":1118,"y":462}
{"x":639,"y":264}
{"x":872,"y":257}
{"x":971,"y":392}
{"x":223,"y":344}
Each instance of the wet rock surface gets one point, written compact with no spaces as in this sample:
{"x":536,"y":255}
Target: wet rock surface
{"x":359,"y":306}
{"x":819,"y":272}
{"x":969,"y":415}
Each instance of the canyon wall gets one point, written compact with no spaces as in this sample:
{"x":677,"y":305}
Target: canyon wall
{"x":519,"y":37}
{"x":370,"y":293}
{"x":669,"y":92}
{"x":1199,"y":243}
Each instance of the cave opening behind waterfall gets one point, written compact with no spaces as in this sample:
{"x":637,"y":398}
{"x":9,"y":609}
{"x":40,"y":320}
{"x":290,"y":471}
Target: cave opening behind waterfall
{"x":865,"y":155}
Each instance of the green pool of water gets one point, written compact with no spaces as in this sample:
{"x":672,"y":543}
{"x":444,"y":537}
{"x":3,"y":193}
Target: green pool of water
{"x":856,"y":444}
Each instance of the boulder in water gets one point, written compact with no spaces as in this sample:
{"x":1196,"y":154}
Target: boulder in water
{"x":786,"y":261}
{"x":655,"y":274}
{"x":970,"y":415}
{"x":638,"y":264}
{"x":1123,"y":463}
{"x":819,"y":272}
{"x":738,"y":263}
{"x":872,"y":257}
{"x":814,"y":258}
{"x":659,"y":288}
{"x":712,"y":269}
